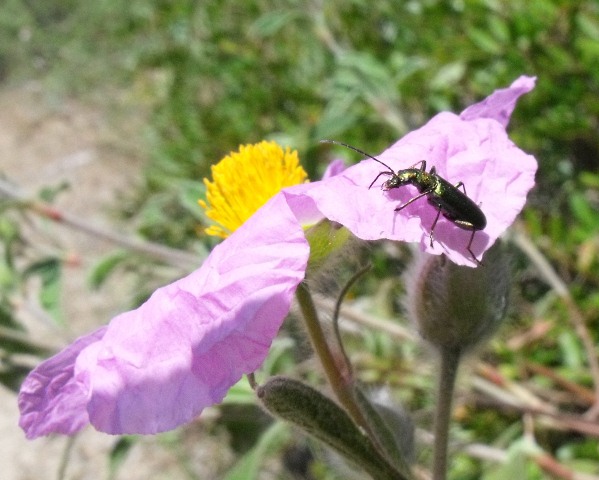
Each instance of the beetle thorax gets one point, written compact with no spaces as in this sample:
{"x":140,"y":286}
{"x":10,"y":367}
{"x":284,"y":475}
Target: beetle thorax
{"x":425,"y":181}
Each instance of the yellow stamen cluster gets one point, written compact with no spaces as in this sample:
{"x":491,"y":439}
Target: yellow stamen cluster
{"x":243,"y":181}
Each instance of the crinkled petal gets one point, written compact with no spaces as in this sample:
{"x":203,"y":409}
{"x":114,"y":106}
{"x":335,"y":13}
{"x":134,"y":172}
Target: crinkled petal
{"x":161,"y":364}
{"x":52,"y":399}
{"x":158,"y":366}
{"x":335,"y":167}
{"x":501,"y":103}
{"x":476,"y":151}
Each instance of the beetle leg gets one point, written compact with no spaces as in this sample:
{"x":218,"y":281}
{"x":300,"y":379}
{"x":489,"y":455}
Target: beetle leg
{"x":470,"y":249}
{"x":434,"y":225}
{"x":461,"y":184}
{"x":422,"y":165}
{"x":412,"y":200}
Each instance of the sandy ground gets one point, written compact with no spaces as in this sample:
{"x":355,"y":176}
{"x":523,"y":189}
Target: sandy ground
{"x":43,"y":142}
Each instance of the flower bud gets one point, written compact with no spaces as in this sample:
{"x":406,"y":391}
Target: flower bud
{"x":456,"y":307}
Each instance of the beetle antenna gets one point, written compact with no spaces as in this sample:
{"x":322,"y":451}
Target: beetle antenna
{"x":359,"y":151}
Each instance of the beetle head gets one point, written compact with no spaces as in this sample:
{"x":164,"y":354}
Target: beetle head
{"x":401,"y":178}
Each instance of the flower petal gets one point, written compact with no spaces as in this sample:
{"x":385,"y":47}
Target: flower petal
{"x":158,"y":366}
{"x":501,"y":103}
{"x":335,"y":167}
{"x":474,"y":150}
{"x":52,"y":399}
{"x":181,"y":351}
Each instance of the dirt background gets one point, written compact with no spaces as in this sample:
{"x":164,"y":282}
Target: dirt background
{"x":45,"y":141}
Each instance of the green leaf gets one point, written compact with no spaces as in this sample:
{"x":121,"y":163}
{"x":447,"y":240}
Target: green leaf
{"x":272,"y":22}
{"x":500,"y":29}
{"x":49,"y":194}
{"x":588,"y":25}
{"x":448,"y":75}
{"x":8,"y":276}
{"x":191,"y":192}
{"x":398,"y":444}
{"x":583,"y":212}
{"x":102,"y":270}
{"x":240,"y":393}
{"x":8,"y":230}
{"x":518,"y":463}
{"x":483,"y":40}
{"x":337,"y":118}
{"x":49,"y":271}
{"x":589,"y":179}
{"x":12,"y":375}
{"x":119,"y":452}
{"x":280,"y":357}
{"x":571,"y":350}
{"x":7,"y":318}
{"x":13,"y":342}
{"x":322,"y":418}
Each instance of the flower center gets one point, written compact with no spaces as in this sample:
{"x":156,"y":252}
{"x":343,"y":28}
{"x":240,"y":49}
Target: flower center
{"x":243,"y":181}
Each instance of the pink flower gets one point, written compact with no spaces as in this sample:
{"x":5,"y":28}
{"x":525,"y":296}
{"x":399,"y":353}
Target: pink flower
{"x":472,"y":148}
{"x":157,"y":367}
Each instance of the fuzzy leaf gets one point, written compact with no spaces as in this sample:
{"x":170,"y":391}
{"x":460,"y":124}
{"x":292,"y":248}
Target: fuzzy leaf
{"x":322,"y":418}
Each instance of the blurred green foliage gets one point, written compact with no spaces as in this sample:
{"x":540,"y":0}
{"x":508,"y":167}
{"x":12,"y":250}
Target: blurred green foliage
{"x":210,"y":75}
{"x":216,"y":74}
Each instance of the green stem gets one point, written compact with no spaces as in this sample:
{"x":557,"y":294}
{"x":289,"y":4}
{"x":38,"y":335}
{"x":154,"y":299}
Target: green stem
{"x":342,"y":390}
{"x":450,"y":360}
{"x":337,"y":311}
{"x":66,"y":457}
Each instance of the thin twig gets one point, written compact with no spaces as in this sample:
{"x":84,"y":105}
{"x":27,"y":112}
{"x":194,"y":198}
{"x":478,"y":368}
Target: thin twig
{"x":171,"y":256}
{"x":582,"y":393}
{"x":498,"y":398}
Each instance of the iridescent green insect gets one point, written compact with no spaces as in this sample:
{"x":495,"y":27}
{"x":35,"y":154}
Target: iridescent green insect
{"x":454,"y":204}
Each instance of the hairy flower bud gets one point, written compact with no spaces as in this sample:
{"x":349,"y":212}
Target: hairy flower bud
{"x":455,"y":307}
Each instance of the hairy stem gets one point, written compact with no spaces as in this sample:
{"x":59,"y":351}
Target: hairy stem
{"x":450,"y":360}
{"x":343,"y":391}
